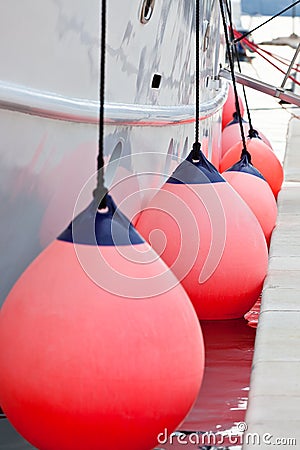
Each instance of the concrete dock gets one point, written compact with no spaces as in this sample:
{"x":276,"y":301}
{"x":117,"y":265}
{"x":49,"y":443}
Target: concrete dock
{"x":273,"y":413}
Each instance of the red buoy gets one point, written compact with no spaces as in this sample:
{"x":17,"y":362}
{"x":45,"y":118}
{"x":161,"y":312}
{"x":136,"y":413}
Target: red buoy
{"x":256,"y":192}
{"x":100,"y":346}
{"x":263,"y":159}
{"x":210,"y":239}
{"x":232,"y":134}
{"x":229,"y":108}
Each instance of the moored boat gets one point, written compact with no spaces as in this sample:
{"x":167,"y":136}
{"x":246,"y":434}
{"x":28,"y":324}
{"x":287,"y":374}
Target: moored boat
{"x":49,"y":93}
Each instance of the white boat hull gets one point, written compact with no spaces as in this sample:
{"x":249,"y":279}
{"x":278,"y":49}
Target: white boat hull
{"x":49,"y":110}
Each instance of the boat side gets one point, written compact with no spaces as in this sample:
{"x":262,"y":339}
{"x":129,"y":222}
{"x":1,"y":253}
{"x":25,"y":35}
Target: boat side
{"x":49,"y":110}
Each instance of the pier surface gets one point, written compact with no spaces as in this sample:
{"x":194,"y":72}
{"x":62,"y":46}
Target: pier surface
{"x":273,"y":413}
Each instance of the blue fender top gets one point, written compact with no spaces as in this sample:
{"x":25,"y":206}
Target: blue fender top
{"x":200,"y":172}
{"x":244,"y":165}
{"x":235,"y":120}
{"x":111,"y":228}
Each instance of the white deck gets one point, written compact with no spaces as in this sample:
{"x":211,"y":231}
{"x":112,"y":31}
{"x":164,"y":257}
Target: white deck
{"x":273,"y":410}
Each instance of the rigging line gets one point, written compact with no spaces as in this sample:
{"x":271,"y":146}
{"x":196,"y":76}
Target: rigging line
{"x":252,"y":132}
{"x":278,"y":58}
{"x":259,"y":52}
{"x":281,"y":61}
{"x":101,"y":191}
{"x":231,"y":63}
{"x":197,"y":145}
{"x":267,"y":21}
{"x":290,"y":68}
{"x":244,"y":46}
{"x":253,"y":46}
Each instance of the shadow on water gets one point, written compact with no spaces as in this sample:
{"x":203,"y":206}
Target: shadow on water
{"x":222,"y":401}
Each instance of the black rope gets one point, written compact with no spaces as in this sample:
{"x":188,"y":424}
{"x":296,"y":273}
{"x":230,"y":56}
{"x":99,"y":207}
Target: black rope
{"x":252,"y":132}
{"x":101,"y":191}
{"x":197,"y":145}
{"x":267,"y":21}
{"x":231,"y":63}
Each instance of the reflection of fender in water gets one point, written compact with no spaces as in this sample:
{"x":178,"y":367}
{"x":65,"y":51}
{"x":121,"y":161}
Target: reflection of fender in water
{"x":229,"y":352}
{"x":223,"y":397}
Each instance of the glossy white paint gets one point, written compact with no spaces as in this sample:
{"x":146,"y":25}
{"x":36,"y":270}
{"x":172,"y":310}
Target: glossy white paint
{"x":49,"y":83}
{"x":53,"y":106}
